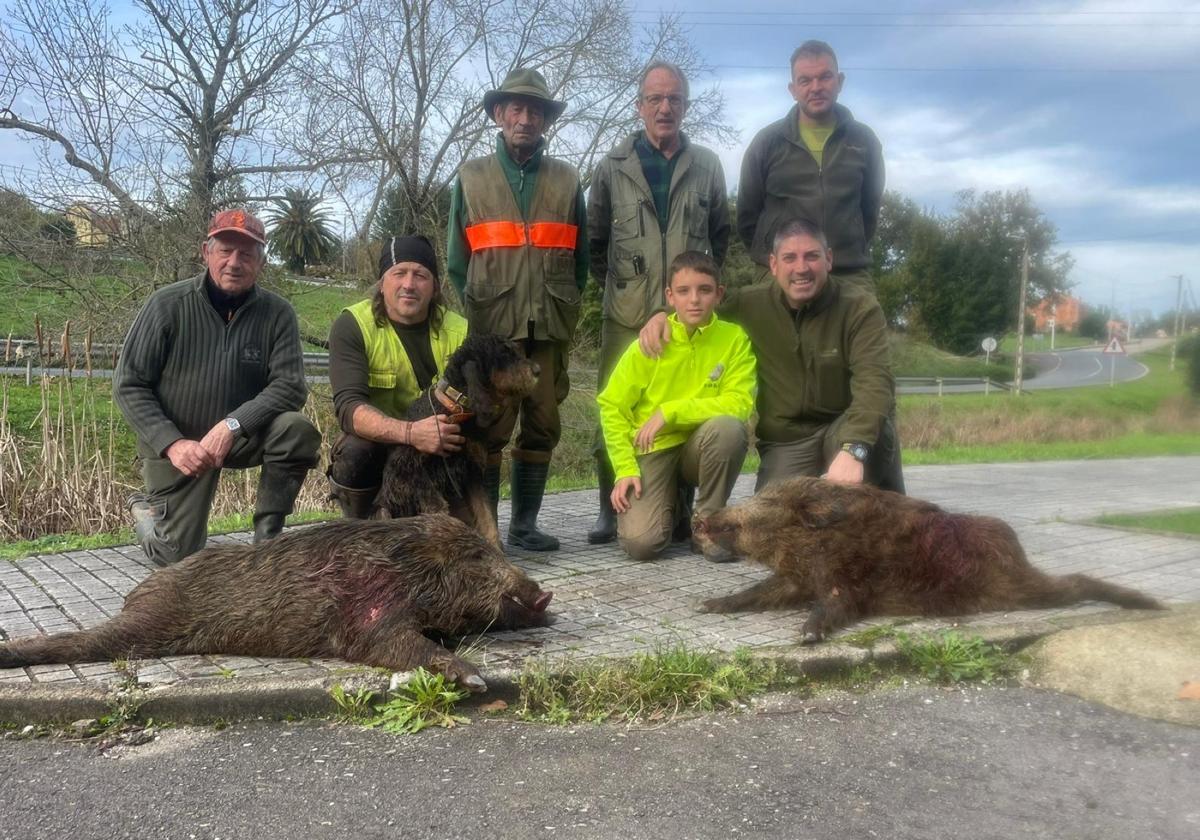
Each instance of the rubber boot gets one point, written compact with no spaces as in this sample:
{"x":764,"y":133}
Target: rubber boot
{"x":355,"y":504}
{"x":528,"y":486}
{"x":685,"y":501}
{"x":605,"y":529}
{"x":491,"y":486}
{"x":278,"y":488}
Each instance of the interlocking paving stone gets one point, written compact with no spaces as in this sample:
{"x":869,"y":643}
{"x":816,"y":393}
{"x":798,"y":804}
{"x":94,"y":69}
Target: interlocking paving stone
{"x":608,"y":605}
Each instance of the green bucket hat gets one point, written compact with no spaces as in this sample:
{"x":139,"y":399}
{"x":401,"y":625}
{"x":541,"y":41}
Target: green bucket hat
{"x":524,"y":82}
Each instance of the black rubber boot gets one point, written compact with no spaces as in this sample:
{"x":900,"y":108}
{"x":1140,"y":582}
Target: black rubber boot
{"x":605,"y":529}
{"x":683,"y":515}
{"x":277,"y":492}
{"x":528,"y":486}
{"x":355,"y":504}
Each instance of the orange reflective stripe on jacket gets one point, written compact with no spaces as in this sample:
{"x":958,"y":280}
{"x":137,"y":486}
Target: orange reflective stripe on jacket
{"x":553,"y":235}
{"x":512,"y":235}
{"x":495,"y":235}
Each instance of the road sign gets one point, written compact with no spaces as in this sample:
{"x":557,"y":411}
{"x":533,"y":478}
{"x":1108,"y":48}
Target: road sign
{"x":989,"y":345}
{"x":1114,"y":347}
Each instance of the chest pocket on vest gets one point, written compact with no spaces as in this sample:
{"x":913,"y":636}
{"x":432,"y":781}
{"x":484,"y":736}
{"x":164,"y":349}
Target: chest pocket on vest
{"x":697,"y":210}
{"x":381,"y":379}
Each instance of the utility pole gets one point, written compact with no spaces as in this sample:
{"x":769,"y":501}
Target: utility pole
{"x":1178,"y":317}
{"x":1020,"y":374}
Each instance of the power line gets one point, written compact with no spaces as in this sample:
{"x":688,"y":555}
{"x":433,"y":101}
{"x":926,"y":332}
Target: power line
{"x":993,"y":13}
{"x":935,"y":25}
{"x":1091,"y":71}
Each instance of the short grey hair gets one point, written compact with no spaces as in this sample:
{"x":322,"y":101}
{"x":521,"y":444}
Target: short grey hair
{"x":812,"y":49}
{"x":797,"y":227}
{"x":674,"y":69}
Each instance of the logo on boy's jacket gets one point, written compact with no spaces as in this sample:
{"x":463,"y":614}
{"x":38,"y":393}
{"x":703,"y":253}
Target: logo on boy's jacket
{"x":716,"y":372}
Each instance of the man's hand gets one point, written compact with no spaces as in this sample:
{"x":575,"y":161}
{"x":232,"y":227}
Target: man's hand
{"x":845,"y":469}
{"x":655,"y":335}
{"x":620,"y":493}
{"x":644,"y":439}
{"x":436,"y":435}
{"x":190,"y":457}
{"x":218,"y":442}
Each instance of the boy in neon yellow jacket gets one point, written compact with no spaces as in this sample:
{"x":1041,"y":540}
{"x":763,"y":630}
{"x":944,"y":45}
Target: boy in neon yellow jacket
{"x":680,"y":417}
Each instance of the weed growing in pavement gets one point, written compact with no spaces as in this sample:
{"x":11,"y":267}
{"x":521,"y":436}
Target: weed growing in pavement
{"x":871,"y":636}
{"x":354,"y":707}
{"x":647,"y":686}
{"x":949,"y":657}
{"x":426,"y":700}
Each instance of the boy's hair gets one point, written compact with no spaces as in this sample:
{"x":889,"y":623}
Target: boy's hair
{"x":696,"y":261}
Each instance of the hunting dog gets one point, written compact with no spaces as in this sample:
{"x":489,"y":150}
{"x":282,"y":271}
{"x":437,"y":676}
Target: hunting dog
{"x":355,"y":590}
{"x":854,"y":551}
{"x":483,"y":376}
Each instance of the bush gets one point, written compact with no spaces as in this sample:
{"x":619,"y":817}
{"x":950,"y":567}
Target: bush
{"x":1189,"y":350}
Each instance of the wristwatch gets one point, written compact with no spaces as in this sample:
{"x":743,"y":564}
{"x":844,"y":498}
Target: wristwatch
{"x":233,"y":425}
{"x":858,"y":451}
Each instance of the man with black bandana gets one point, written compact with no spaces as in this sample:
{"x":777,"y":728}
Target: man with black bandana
{"x":211,"y":377}
{"x":383,"y":352}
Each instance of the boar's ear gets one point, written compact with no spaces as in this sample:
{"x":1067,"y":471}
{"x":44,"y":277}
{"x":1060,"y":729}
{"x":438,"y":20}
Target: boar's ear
{"x":479,"y":396}
{"x":825,"y":513}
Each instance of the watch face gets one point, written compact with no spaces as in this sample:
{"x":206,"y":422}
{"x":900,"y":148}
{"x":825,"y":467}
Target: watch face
{"x":859,"y":452}
{"x":232,"y":424}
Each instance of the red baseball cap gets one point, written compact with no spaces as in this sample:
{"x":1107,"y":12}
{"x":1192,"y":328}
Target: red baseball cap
{"x":238,"y":221}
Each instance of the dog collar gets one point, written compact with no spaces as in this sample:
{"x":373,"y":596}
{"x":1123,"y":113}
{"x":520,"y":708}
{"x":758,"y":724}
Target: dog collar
{"x":453,"y":400}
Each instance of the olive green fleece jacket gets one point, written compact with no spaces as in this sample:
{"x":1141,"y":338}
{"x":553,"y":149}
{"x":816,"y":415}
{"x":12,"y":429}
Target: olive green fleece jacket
{"x":698,"y":377}
{"x":183,"y":368}
{"x":829,"y":358}
{"x":523,"y":179}
{"x":781,"y":181}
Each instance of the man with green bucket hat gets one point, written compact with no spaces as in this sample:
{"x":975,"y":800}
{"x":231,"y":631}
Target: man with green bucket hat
{"x":517,"y":253}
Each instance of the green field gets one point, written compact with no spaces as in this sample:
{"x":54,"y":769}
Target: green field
{"x":1038,"y":343}
{"x":1182,"y":521}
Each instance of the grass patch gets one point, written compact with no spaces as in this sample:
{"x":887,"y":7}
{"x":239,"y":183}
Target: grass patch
{"x":646,"y":687}
{"x":949,"y":657}
{"x":1151,"y":416}
{"x":426,"y":700}
{"x":1040,"y":343}
{"x":1180,"y":521}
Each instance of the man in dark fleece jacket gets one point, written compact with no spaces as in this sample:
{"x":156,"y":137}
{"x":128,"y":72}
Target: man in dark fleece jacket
{"x":818,"y":163}
{"x":212,"y":376}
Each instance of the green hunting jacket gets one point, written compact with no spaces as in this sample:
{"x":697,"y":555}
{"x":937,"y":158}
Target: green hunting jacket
{"x":630,"y":251}
{"x":829,"y":358}
{"x":505,"y":289}
{"x":781,"y":180}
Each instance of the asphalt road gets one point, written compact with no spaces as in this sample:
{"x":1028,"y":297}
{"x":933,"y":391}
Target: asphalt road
{"x":915,"y":762}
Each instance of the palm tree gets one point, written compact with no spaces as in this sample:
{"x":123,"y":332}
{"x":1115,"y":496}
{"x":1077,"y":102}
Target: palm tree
{"x":300,"y":232}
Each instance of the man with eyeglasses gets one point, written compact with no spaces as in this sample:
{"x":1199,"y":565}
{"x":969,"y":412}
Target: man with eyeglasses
{"x":653,"y":197}
{"x":817,"y":163}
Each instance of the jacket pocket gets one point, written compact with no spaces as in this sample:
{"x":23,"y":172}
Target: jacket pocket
{"x":625,"y":301}
{"x":831,"y":385}
{"x":492,"y":308}
{"x":561,"y":308}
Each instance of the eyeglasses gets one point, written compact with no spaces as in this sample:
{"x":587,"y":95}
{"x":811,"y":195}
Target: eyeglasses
{"x":654,"y":100}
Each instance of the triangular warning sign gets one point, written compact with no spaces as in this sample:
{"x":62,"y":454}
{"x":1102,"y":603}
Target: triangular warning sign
{"x":1114,"y":347}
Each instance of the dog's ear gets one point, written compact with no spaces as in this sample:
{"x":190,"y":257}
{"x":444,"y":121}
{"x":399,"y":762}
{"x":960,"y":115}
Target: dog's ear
{"x":815,"y":514}
{"x":480,"y":397}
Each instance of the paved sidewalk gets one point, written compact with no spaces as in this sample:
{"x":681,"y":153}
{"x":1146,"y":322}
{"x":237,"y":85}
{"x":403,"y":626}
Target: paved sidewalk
{"x":609,"y":605}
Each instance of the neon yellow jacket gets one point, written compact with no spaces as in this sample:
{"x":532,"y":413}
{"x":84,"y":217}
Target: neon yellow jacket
{"x":711,"y":374}
{"x":390,"y":378}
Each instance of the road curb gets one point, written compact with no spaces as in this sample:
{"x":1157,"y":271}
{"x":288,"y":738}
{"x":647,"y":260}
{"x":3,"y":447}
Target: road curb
{"x":229,"y":699}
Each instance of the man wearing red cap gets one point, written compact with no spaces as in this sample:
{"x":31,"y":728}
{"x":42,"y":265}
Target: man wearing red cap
{"x":212,"y":376}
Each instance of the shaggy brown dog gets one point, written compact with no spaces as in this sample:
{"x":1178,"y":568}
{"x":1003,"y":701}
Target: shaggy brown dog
{"x":482,"y":376}
{"x":353,"y":590}
{"x":856,"y":551}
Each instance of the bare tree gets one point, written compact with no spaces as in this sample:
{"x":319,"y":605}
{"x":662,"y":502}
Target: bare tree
{"x":168,"y":117}
{"x":405,"y":78}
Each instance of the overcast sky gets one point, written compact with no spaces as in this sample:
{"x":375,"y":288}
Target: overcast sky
{"x":1092,"y":106}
